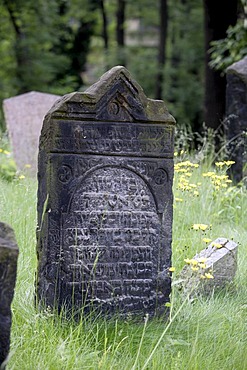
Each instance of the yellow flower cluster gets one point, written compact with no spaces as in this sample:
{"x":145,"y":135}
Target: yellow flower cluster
{"x":224,"y":163}
{"x":176,"y":154}
{"x":198,"y":265}
{"x":184,"y":169}
{"x":202,"y":227}
{"x":183,"y":166}
{"x":219,"y":181}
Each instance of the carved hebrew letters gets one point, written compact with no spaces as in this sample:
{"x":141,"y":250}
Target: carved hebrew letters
{"x":105,"y":201}
{"x":111,"y":234}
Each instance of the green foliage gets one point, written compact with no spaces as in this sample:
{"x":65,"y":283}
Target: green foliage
{"x":184,"y":70}
{"x":43,"y":45}
{"x":184,"y":67}
{"x":231,"y":49}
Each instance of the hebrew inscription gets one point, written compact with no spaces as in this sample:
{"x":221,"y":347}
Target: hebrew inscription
{"x":116,"y":138}
{"x":105,"y":201}
{"x":111,"y":234}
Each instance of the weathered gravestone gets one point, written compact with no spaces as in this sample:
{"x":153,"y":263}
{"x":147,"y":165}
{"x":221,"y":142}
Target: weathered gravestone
{"x":105,"y":200}
{"x":24,"y":115}
{"x":236,"y":116}
{"x":213,"y":268}
{"x":8,"y":266}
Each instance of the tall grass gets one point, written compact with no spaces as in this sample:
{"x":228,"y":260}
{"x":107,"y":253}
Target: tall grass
{"x":209,"y":332}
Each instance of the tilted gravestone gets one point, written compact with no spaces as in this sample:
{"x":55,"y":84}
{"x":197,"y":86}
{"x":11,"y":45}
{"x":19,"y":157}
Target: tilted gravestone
{"x":105,"y":200}
{"x":8,"y":266}
{"x":236,"y":117}
{"x":24,"y":115}
{"x":213,"y":268}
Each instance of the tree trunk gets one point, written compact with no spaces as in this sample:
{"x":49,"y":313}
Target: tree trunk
{"x":162,"y":48}
{"x":121,"y":4}
{"x":104,"y":27}
{"x":218,"y":16}
{"x":21,"y":49}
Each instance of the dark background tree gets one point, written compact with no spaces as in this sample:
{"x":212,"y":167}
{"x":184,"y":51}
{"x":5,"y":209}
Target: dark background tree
{"x":120,"y":31}
{"x":218,"y":16}
{"x":162,"y":47}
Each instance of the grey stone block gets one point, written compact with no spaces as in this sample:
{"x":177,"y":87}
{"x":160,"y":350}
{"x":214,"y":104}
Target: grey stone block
{"x":8,"y":266}
{"x":236,"y":117}
{"x":213,"y":268}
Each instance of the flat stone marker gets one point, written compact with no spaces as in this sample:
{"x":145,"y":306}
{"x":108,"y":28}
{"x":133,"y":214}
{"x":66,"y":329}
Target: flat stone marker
{"x":24,"y":116}
{"x":216,"y":267}
{"x":236,"y":117}
{"x":105,"y":200}
{"x":8,"y":266}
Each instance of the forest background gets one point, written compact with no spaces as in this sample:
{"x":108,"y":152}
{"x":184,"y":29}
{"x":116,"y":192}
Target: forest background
{"x":178,"y":50}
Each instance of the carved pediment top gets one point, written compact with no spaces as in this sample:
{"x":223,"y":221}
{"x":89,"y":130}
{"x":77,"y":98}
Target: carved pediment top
{"x":116,"y":96}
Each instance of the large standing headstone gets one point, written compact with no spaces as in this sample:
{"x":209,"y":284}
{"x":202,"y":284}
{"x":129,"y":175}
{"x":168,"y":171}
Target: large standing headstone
{"x":8,"y":266}
{"x":105,"y":200}
{"x":236,"y":116}
{"x":24,"y":115}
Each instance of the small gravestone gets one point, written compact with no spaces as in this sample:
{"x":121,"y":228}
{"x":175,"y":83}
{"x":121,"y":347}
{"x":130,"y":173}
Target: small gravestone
{"x":213,"y":268}
{"x":236,"y":117}
{"x":8,"y":266}
{"x":105,"y":200}
{"x":24,"y":115}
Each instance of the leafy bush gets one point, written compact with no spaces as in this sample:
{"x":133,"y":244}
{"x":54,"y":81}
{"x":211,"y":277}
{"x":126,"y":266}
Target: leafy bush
{"x":231,"y":49}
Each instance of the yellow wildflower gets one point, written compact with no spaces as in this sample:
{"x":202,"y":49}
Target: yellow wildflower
{"x":202,"y":227}
{"x":1,"y":150}
{"x":6,"y":152}
{"x":219,"y":164}
{"x":202,"y":265}
{"x":28,"y":165}
{"x":216,"y":245}
{"x":178,"y":199}
{"x":202,"y":259}
{"x":229,"y":163}
{"x":196,"y":193}
{"x":208,"y":275}
{"x":208,"y":174}
{"x":21,"y":177}
{"x":171,"y":269}
{"x":187,"y":260}
{"x":206,"y":240}
{"x":193,"y":262}
{"x":175,"y":154}
{"x":168,"y":304}
{"x":194,"y":268}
